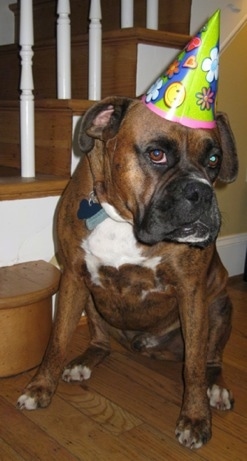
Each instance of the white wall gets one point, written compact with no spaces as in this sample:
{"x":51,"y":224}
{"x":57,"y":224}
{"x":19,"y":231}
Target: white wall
{"x":7,"y":26}
{"x":233,"y":14}
{"x":151,"y":61}
{"x":26,"y":230}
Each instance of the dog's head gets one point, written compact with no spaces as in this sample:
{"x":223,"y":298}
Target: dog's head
{"x":157,"y":174}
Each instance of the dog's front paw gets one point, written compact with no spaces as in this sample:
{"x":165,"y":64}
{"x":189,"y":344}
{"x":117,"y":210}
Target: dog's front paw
{"x":193,"y":433}
{"x":220,"y":397}
{"x":27,"y":402}
{"x":76,"y":373}
{"x":35,"y":396}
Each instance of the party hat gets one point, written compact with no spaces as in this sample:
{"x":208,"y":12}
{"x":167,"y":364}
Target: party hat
{"x":186,"y":91}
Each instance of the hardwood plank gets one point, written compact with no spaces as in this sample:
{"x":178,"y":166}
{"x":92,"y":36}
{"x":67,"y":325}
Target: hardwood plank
{"x":231,"y":423}
{"x":7,"y":453}
{"x":130,"y":390}
{"x":223,"y":446}
{"x":70,"y":428}
{"x":18,"y":431}
{"x":115,"y":419}
{"x":158,"y":446}
{"x":83,"y":437}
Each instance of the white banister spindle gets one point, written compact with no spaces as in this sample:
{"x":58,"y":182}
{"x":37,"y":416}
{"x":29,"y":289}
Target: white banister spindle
{"x":95,"y":51}
{"x":26,"y":87}
{"x":63,"y":50}
{"x":127,"y":13}
{"x":152,"y":16}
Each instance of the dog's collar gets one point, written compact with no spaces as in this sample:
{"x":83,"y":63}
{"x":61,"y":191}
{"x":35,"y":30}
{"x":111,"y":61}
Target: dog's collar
{"x":91,"y":212}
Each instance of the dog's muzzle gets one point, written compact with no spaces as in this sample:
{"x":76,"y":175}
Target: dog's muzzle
{"x":184,"y":211}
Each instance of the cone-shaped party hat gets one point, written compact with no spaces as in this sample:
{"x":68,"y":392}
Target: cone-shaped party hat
{"x":186,"y":91}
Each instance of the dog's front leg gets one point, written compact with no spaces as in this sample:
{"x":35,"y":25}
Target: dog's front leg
{"x":99,"y":347}
{"x":73,"y":296}
{"x":194,"y":423}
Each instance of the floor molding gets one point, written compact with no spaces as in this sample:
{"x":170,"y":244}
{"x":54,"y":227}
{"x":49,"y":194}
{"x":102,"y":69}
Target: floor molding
{"x":232,"y":250}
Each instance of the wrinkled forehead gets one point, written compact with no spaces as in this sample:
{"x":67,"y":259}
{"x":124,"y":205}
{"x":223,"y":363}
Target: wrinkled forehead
{"x":143,"y":124}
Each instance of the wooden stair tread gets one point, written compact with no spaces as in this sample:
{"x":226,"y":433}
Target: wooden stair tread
{"x":52,"y":150}
{"x":16,"y":187}
{"x":137,"y":34}
{"x":77,"y":106}
{"x":26,"y":283}
{"x":146,"y":36}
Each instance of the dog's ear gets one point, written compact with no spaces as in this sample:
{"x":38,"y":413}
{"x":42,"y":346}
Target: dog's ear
{"x":229,"y":167}
{"x":102,"y":121}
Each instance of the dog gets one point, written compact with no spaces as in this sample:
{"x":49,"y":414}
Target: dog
{"x":136,"y":231}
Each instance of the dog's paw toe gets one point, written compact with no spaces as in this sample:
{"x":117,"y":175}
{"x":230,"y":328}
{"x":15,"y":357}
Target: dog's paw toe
{"x":220,"y":398}
{"x":187,"y":439}
{"x":76,"y":373}
{"x":26,"y":402}
{"x":193,"y":434}
{"x":38,"y":394}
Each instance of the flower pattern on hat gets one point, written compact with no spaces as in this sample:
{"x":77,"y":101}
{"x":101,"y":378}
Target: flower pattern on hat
{"x":211,"y":65}
{"x":205,"y":98}
{"x":153,"y":92}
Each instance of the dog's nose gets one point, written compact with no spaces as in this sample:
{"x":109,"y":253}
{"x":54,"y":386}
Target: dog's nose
{"x":198,"y":191}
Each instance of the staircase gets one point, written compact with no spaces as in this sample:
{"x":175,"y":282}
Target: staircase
{"x":53,"y":145}
{"x":54,"y":118}
{"x":119,"y":48}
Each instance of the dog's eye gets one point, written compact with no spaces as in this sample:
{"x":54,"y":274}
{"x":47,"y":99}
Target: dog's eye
{"x":213,"y":161}
{"x":157,"y":156}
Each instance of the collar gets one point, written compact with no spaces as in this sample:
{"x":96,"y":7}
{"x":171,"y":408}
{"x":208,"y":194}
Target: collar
{"x":91,"y":212}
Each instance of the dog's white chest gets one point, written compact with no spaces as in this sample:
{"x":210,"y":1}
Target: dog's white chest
{"x":113,"y":244}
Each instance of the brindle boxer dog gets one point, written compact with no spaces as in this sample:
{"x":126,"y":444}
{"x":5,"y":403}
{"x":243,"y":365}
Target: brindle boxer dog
{"x":144,"y":267}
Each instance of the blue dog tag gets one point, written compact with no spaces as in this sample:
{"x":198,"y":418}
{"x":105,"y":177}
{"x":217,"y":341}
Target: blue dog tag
{"x":87,"y":209}
{"x":92,"y":213}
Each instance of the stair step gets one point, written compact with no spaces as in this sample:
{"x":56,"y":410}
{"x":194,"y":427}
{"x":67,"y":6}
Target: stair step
{"x":119,"y":63}
{"x":14,"y":187}
{"x":53,"y":146}
{"x":26,"y":291}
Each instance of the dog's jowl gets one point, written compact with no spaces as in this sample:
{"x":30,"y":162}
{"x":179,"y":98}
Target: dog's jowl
{"x":136,"y":228}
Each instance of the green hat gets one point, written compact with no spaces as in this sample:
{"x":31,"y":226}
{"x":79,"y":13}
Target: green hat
{"x":186,"y":91}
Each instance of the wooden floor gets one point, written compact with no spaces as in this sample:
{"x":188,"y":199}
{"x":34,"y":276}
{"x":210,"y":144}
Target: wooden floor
{"x":127,"y":410}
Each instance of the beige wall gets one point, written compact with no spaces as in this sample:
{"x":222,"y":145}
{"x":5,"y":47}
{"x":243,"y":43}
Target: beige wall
{"x":232,"y":99}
